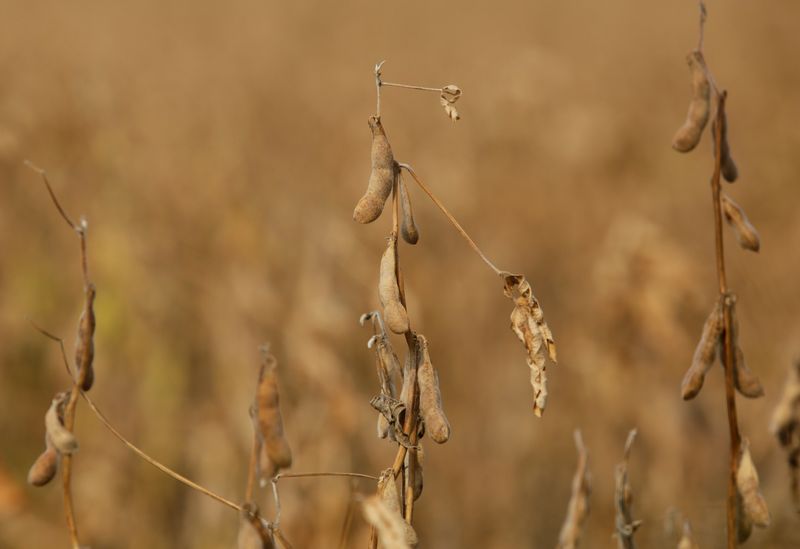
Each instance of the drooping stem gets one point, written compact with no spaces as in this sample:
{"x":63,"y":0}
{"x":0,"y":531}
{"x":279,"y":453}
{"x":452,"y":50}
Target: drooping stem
{"x":703,"y":14}
{"x":450,"y":218}
{"x":728,"y":355}
{"x":410,"y":87}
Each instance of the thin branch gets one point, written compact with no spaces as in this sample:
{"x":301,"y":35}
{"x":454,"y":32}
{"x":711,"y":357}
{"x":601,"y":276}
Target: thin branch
{"x":130,"y":445}
{"x":452,"y":219}
{"x":378,"y":84}
{"x":410,"y":87}
{"x":703,"y":15}
{"x":323,"y":474}
{"x":251,"y":469}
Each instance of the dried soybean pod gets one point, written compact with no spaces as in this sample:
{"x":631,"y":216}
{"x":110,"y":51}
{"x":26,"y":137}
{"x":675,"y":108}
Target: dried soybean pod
{"x":63,"y":441}
{"x":268,"y":412}
{"x":418,"y":459}
{"x":744,"y":526}
{"x":746,"y":234}
{"x":704,"y":354}
{"x":430,"y":397}
{"x":755,"y":507}
{"x":387,"y":489}
{"x":387,"y":366}
{"x":688,"y":136}
{"x":84,"y":344}
{"x":727,"y":166}
{"x":745,"y":381}
{"x":381,"y":177}
{"x":408,"y":229}
{"x":45,"y":467}
{"x":389,"y":292}
{"x":388,"y":524}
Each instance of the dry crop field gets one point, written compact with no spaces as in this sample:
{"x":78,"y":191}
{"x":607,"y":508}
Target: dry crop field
{"x":217,"y":152}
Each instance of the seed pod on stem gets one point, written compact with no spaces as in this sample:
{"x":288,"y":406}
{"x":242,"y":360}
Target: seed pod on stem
{"x":688,"y":136}
{"x":389,"y":292}
{"x":727,"y":166}
{"x":63,"y":441}
{"x":704,"y":354}
{"x":268,"y":412}
{"x":430,"y":397}
{"x":416,"y":459}
{"x":746,"y":234}
{"x":381,"y":177}
{"x":745,"y":381}
{"x":408,"y":229}
{"x":387,"y":364}
{"x":84,"y":344}
{"x":753,"y":503}
{"x":45,"y":467}
{"x":387,"y":489}
{"x":527,"y":322}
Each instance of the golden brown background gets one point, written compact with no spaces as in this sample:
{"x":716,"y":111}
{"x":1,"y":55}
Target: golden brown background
{"x":217,"y":150}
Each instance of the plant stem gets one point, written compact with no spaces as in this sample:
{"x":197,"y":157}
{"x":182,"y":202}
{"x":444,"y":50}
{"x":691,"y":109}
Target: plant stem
{"x":251,"y":469}
{"x":410,"y":87}
{"x":728,"y":354}
{"x":450,"y":218}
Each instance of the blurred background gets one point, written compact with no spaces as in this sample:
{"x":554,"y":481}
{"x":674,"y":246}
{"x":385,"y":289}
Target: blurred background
{"x":217,"y":150}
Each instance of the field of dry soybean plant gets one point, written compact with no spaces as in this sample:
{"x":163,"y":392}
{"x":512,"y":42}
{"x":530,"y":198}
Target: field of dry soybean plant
{"x":294,"y":275}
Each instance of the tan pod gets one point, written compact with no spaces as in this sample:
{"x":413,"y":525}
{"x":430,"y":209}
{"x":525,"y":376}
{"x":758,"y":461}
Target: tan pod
{"x":746,"y":234}
{"x":63,"y":440}
{"x":389,"y":292}
{"x":268,"y":412}
{"x":688,"y":136}
{"x":44,"y":468}
{"x":408,"y":229}
{"x":727,"y":166}
{"x":745,"y":381}
{"x":381,"y":177}
{"x":753,"y":503}
{"x":704,"y":354}
{"x":387,"y":489}
{"x":430,"y":397}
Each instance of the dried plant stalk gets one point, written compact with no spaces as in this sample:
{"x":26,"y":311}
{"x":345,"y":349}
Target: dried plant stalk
{"x":753,"y":504}
{"x":388,"y":290}
{"x":704,"y":354}
{"x":62,"y":439}
{"x":408,"y":228}
{"x":252,"y":534}
{"x":785,"y":425}
{"x":746,"y":234}
{"x":381,"y":178}
{"x":84,"y":344}
{"x":430,"y":397}
{"x":388,"y":524}
{"x":623,"y":500}
{"x":268,"y":412}
{"x":578,"y":508}
{"x":527,"y":322}
{"x":688,"y":135}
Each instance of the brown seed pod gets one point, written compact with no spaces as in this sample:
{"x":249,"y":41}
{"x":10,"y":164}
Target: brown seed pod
{"x":744,"y":526}
{"x":745,"y":381}
{"x":754,"y":505}
{"x":417,"y":457}
{"x":388,"y":524}
{"x":381,"y":178}
{"x":268,"y":411}
{"x":704,"y":354}
{"x":408,"y":229}
{"x":430,"y":397}
{"x":387,"y":489}
{"x":688,"y":136}
{"x":84,"y":344}
{"x":746,"y":234}
{"x":45,"y":467}
{"x":389,"y":292}
{"x":727,"y":166}
{"x":529,"y":325}
{"x":62,"y":440}
{"x":785,"y":425}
